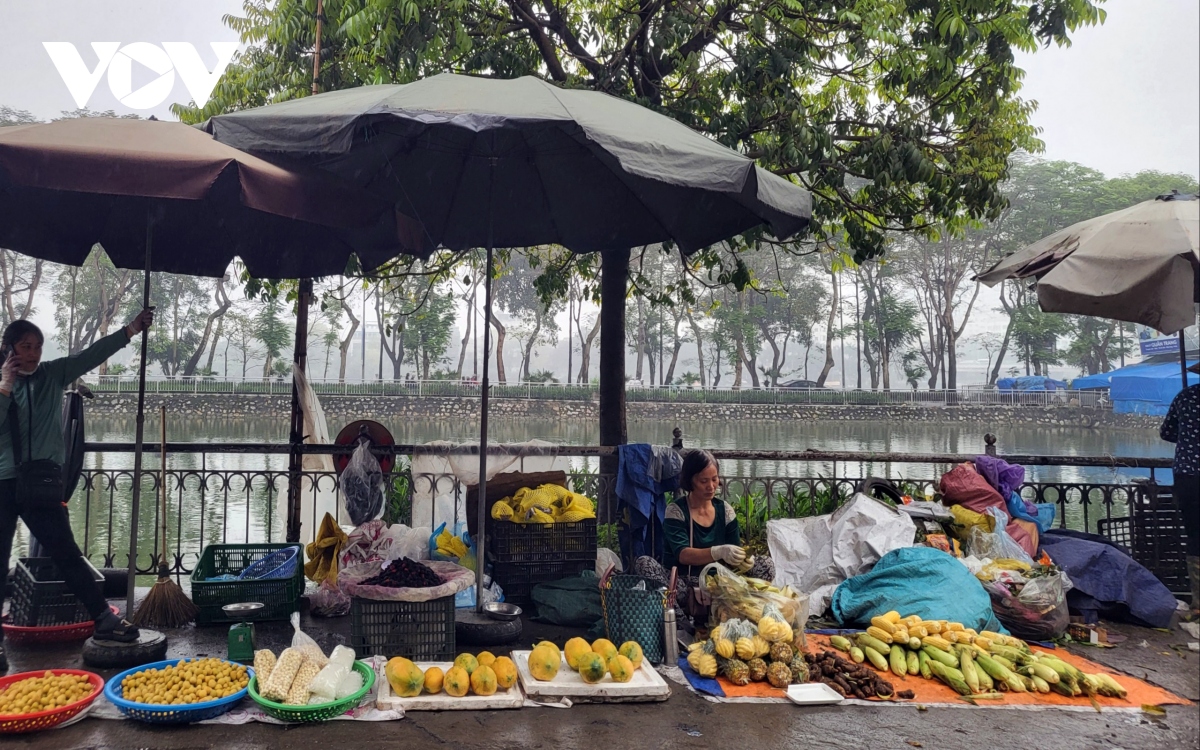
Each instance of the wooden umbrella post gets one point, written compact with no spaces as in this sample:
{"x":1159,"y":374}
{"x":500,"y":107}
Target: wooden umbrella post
{"x":131,"y":586}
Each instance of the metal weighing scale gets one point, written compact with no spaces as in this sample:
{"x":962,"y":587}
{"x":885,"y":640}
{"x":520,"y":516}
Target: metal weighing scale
{"x":241,"y":634}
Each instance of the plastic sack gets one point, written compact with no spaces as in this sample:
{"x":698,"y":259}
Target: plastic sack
{"x":304,"y":643}
{"x":406,"y":542}
{"x":605,"y":559}
{"x":733,"y":597}
{"x":367,"y":543}
{"x":455,"y":578}
{"x":325,"y":684}
{"x":997,"y":545}
{"x":453,"y":546}
{"x":361,"y":485}
{"x":1038,"y":612}
{"x":350,"y":685}
{"x":329,"y":601}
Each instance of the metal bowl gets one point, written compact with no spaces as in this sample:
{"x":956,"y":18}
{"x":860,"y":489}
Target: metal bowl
{"x":243,"y":610}
{"x":502,"y":611}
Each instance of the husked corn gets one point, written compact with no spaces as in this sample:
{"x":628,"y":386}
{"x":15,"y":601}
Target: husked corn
{"x":283,"y":674}
{"x":264,"y":662}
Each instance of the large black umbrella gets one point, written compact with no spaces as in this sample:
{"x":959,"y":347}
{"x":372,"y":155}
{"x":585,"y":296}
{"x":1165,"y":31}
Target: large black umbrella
{"x":515,"y":163}
{"x":128,"y":184}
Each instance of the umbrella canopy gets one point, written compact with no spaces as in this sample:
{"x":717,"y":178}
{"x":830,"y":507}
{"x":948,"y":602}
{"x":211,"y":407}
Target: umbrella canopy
{"x":522,"y":162}
{"x":64,"y":186}
{"x":1139,"y":264}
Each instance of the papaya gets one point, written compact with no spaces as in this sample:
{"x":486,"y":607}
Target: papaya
{"x":457,"y":682}
{"x":467,"y":661}
{"x":573,"y":649}
{"x":543,"y":663}
{"x":485,"y":659}
{"x":620,"y":668}
{"x":434,"y":676}
{"x":632,"y":651}
{"x":605,"y":648}
{"x":506,"y":672}
{"x":483,"y":681}
{"x":592,"y":668}
{"x":405,"y":678}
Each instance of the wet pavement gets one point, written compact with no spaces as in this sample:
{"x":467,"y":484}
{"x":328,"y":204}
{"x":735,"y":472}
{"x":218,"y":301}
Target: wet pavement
{"x":684,"y":721}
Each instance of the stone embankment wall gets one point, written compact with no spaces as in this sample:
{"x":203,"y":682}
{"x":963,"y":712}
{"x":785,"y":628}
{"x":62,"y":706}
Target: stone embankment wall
{"x":341,"y":409}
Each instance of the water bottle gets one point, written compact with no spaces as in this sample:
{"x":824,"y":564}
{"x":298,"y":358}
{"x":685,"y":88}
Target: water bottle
{"x":670,"y":638}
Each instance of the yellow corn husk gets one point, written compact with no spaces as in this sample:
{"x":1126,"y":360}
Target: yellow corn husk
{"x":982,"y":642}
{"x":284,"y":672}
{"x":879,"y":634}
{"x":934,"y":627}
{"x":264,"y":662}
{"x":298,"y":693}
{"x":970,"y":631}
{"x":892,"y":617}
{"x":910,"y":621}
{"x":883,"y":624}
{"x":918,"y":631}
{"x":955,"y":626}
{"x":900,"y":636}
{"x":991,"y":636}
{"x":937,"y":642}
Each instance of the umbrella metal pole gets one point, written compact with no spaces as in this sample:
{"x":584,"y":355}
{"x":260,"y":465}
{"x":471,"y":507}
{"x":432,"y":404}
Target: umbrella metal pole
{"x":1183,"y":356}
{"x":482,"y":510}
{"x":131,"y":586}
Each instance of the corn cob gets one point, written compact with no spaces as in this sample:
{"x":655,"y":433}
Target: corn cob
{"x":879,"y":634}
{"x":286,"y":667}
{"x":264,"y":662}
{"x":899,"y":661}
{"x":982,"y":642}
{"x":883,"y":624}
{"x":914,"y":663}
{"x":1011,"y":654}
{"x":923,"y":664}
{"x":841,"y":643}
{"x":910,"y":621}
{"x":970,"y":631}
{"x":1041,"y":685}
{"x":892,"y":617}
{"x":986,"y":685}
{"x":1002,"y":661}
{"x":900,"y":635}
{"x":914,"y":643}
{"x":936,"y":654}
{"x":857,"y":655}
{"x":1043,"y":671}
{"x":967,"y":667}
{"x":919,"y":631}
{"x":876,"y":658}
{"x":954,"y":626}
{"x":867,"y":640}
{"x":1063,"y":689}
{"x":298,"y":693}
{"x":1113,"y":687}
{"x":937,"y":642}
{"x":950,"y":676}
{"x":933,"y":626}
{"x":1005,"y":678}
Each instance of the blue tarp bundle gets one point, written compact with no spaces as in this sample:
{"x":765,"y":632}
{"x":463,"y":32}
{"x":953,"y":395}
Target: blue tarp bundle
{"x":1147,"y":389}
{"x":916,"y":581}
{"x":1031,"y":383}
{"x":1108,"y":581}
{"x":1092,"y":382}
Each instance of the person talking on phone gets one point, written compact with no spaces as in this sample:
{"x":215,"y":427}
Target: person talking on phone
{"x":31,"y":456}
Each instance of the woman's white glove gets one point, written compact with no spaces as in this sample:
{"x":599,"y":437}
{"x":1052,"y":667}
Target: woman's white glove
{"x":8,"y":374}
{"x":730,"y":554}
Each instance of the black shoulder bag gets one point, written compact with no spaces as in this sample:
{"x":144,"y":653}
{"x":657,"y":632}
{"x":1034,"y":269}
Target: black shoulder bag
{"x":39,"y":482}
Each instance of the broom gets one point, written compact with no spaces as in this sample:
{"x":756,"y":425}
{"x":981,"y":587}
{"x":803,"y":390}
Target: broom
{"x":166,"y":606}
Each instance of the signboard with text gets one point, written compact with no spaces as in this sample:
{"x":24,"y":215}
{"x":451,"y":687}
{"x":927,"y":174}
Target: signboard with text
{"x":1163,"y":345}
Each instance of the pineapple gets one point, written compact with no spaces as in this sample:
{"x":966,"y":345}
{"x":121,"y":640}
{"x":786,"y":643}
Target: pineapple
{"x":799,"y":669}
{"x":779,"y":674}
{"x":783,"y":652}
{"x":736,"y":671}
{"x":745,"y":649}
{"x":758,"y":669}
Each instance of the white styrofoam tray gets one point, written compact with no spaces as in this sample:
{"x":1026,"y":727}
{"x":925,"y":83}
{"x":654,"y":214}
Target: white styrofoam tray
{"x":386,"y":699}
{"x":646,"y":685}
{"x":813,"y":694}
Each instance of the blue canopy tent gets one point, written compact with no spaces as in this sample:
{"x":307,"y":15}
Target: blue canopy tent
{"x":1092,"y":382}
{"x":1030,"y":384}
{"x":1146,"y":388}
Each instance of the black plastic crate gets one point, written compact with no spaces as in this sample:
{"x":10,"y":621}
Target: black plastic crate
{"x":518,"y":579}
{"x":1159,"y":536}
{"x":420,"y":631}
{"x":1117,"y":531}
{"x":40,"y":596}
{"x":510,"y":542}
{"x":281,"y":596}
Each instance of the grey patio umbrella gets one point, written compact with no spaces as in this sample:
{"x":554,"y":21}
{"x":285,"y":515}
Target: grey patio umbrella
{"x":513,"y":163}
{"x":129,"y":184}
{"x":1140,"y":264}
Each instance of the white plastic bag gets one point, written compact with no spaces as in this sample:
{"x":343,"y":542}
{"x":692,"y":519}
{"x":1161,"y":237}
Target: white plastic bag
{"x":605,"y":559}
{"x":341,"y":663}
{"x":303,"y":643}
{"x":997,"y":545}
{"x":349,"y":685}
{"x":406,"y":542}
{"x":361,"y":485}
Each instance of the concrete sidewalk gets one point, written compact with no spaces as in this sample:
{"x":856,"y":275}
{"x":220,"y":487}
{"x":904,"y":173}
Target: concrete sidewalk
{"x":685,"y":721}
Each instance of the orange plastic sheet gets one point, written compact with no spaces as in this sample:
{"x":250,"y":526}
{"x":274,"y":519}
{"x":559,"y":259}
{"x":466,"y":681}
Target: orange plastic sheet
{"x":933,"y":691}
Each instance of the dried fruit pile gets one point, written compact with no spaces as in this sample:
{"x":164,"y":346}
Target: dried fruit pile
{"x":405,"y":574}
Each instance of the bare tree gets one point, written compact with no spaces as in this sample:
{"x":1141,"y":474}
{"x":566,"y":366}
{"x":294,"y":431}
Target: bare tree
{"x":223,"y":305}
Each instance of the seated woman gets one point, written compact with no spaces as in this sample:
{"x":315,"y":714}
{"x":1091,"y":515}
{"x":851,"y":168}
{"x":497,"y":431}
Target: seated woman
{"x":700,"y":529}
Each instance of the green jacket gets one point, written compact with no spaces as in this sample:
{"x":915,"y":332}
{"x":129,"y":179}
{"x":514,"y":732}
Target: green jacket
{"x":44,"y":388}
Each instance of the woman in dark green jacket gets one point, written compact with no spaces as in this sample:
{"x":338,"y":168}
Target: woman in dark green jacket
{"x":31,"y":392}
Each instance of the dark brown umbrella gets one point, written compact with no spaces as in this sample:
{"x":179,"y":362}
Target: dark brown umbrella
{"x":129,"y":184}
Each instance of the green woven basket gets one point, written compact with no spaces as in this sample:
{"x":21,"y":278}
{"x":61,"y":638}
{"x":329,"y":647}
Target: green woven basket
{"x":632,"y":614}
{"x":317,"y":711}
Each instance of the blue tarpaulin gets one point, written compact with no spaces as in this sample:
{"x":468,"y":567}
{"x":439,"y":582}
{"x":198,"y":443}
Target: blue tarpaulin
{"x":1147,"y":389}
{"x":1092,"y":382}
{"x":1031,"y":383}
{"x":916,"y":581}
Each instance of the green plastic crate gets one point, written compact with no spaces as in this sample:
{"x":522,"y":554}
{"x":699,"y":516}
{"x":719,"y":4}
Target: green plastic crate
{"x":281,"y":597}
